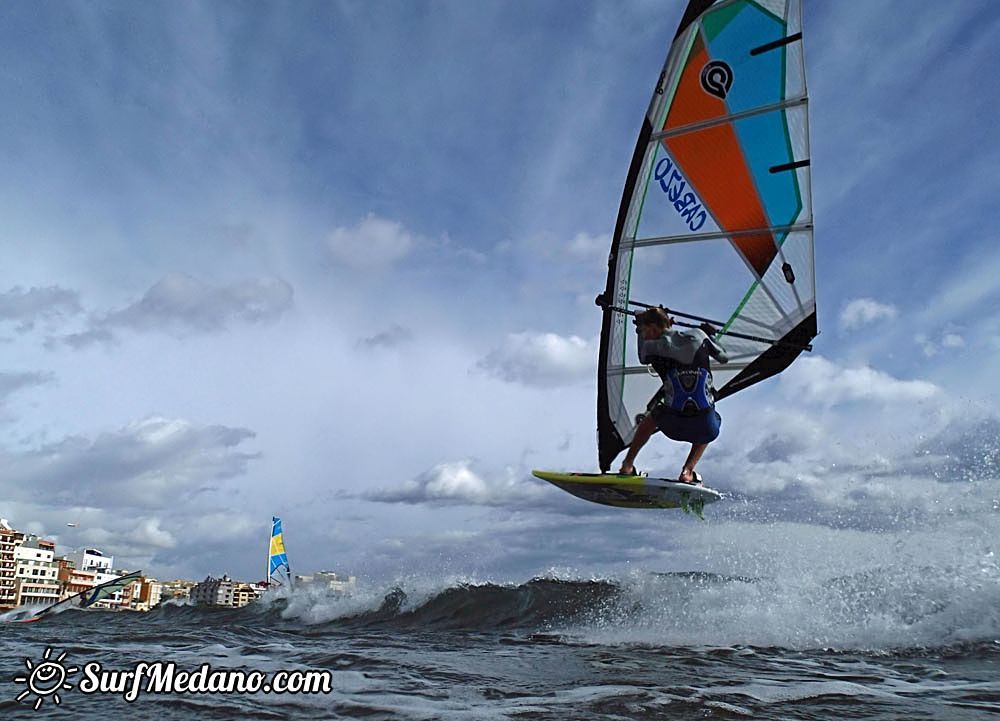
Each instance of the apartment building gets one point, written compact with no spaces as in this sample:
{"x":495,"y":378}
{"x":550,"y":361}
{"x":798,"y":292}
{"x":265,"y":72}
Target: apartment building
{"x":223,"y":592}
{"x":71,"y":579}
{"x":36,"y":574}
{"x":9,"y":540}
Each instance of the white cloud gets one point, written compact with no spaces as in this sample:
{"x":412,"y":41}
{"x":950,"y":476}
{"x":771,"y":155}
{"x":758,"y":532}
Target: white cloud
{"x":25,"y":307}
{"x":96,"y":536}
{"x":13,"y":382}
{"x":184,"y":301}
{"x":373,"y":243}
{"x":151,"y":463}
{"x":220,"y":526}
{"x":542,"y":359}
{"x":173,"y":540}
{"x":821,"y":381}
{"x":392,"y":337}
{"x":456,"y":483}
{"x":864,"y":311}
{"x":584,"y":245}
{"x":148,"y":533}
{"x":931,"y":347}
{"x":926,"y":345}
{"x":180,"y":303}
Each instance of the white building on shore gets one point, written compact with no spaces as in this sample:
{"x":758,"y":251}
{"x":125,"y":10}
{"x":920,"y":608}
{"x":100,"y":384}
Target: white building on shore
{"x":36,"y":574}
{"x":91,"y":559}
{"x":9,"y":540}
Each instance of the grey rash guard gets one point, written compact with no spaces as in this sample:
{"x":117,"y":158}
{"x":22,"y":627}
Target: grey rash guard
{"x":688,"y":348}
{"x":684,"y":347}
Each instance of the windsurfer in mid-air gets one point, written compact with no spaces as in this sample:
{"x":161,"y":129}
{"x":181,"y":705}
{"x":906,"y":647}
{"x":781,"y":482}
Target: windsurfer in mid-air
{"x":684,"y":408}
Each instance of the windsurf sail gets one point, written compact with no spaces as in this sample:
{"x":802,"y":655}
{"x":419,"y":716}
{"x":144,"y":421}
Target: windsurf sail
{"x":277,"y":558}
{"x":716,"y":216}
{"x":90,"y":596}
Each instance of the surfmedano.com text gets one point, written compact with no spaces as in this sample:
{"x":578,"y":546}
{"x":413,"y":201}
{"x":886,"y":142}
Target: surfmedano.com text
{"x":164,"y":678}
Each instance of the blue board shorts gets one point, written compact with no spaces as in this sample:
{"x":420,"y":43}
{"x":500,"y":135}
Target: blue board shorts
{"x":690,"y":429}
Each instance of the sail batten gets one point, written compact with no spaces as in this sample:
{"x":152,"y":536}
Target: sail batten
{"x":694,"y":238}
{"x":721,"y":120}
{"x":644,"y":370}
{"x":716,"y":213}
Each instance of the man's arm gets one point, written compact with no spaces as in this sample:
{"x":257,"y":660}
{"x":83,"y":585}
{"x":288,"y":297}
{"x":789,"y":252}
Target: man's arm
{"x":640,"y":345}
{"x":714,"y":349}
{"x":656,"y":348}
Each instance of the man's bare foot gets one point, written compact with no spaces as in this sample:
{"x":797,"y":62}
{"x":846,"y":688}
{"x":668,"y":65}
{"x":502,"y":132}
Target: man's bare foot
{"x":689,"y":476}
{"x":627,"y":471}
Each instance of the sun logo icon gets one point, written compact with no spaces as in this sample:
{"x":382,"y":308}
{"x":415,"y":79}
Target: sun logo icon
{"x":46,"y":679}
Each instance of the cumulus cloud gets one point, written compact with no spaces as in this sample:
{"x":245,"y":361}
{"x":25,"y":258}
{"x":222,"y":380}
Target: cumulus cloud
{"x":542,"y":359}
{"x":373,"y":243}
{"x":148,"y":533}
{"x":865,"y":311}
{"x":176,"y":540}
{"x":393,"y":336}
{"x":220,"y":526}
{"x":146,"y":464}
{"x":584,"y":245}
{"x":96,"y":536}
{"x":932,"y":346}
{"x":12,"y":382}
{"x":456,"y":483}
{"x":82,"y":339}
{"x":26,"y":307}
{"x":818,"y":380}
{"x":179,"y":303}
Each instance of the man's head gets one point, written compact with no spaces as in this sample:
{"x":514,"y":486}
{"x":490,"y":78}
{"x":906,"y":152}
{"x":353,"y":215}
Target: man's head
{"x":652,"y":322}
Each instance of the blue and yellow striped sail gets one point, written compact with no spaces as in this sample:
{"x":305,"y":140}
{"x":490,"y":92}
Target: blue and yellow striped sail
{"x":277,"y":558}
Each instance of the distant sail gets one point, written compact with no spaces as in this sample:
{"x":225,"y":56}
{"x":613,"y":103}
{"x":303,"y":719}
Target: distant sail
{"x":716,"y":217}
{"x":277,"y":560}
{"x":90,"y":596}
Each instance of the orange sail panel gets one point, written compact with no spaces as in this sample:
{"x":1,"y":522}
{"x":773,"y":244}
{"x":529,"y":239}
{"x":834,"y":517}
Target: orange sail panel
{"x":714,"y":164}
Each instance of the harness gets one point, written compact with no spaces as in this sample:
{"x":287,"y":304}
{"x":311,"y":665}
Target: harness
{"x":691,"y":396}
{"x":690,"y":386}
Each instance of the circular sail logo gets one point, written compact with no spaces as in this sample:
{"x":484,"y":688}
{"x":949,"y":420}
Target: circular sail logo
{"x":717,"y":78}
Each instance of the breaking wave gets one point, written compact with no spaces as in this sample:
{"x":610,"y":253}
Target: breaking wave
{"x":882,"y":610}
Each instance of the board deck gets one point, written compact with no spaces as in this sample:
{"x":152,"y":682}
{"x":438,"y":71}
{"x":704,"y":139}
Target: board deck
{"x":612,"y":489}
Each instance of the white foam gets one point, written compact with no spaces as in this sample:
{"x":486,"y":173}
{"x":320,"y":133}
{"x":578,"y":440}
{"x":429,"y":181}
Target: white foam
{"x":809,"y":587}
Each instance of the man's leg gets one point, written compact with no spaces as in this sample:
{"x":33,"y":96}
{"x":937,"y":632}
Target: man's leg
{"x":642,"y":434}
{"x":687,"y":473}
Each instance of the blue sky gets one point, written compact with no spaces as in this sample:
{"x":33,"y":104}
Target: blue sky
{"x":336,"y":261}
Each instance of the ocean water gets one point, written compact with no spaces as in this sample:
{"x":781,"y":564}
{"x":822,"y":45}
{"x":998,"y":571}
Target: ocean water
{"x":916,"y":643}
